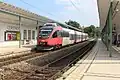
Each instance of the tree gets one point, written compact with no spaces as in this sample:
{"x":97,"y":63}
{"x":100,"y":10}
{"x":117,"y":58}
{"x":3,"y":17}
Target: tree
{"x":98,"y":32}
{"x":73,"y":23}
{"x":91,"y":30}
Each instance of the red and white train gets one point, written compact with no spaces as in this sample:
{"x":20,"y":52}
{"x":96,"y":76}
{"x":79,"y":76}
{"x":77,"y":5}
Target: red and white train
{"x":52,"y":36}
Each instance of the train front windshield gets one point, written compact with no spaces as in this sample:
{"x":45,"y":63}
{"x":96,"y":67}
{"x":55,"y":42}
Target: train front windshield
{"x":45,"y":32}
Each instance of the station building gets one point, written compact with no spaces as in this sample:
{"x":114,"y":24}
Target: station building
{"x":18,"y":27}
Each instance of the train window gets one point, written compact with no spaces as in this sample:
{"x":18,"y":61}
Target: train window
{"x":59,"y":33}
{"x":45,"y":32}
{"x":77,"y":36}
{"x":55,"y":34}
{"x":66,"y":34}
{"x":62,"y":34}
{"x":72,"y":37}
{"x":53,"y":25}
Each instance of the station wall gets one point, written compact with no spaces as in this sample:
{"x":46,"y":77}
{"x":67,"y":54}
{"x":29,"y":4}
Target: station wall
{"x":10,"y":16}
{"x":10,"y":35}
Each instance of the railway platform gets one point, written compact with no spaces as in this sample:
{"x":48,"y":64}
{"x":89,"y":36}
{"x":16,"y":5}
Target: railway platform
{"x":116,"y":48}
{"x":16,"y":49}
{"x":96,"y":65}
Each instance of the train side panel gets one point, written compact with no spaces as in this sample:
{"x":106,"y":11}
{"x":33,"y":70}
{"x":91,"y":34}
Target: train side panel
{"x":65,"y":36}
{"x":61,"y":37}
{"x":78,"y":37}
{"x":55,"y":38}
{"x":72,"y":36}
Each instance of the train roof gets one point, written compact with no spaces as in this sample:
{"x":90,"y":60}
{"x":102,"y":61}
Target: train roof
{"x":50,"y":24}
{"x":67,"y":26}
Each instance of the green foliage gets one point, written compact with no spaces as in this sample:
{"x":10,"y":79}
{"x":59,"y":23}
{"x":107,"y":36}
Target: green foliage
{"x":98,"y":32}
{"x":1,"y":0}
{"x":73,"y":23}
{"x":92,"y":31}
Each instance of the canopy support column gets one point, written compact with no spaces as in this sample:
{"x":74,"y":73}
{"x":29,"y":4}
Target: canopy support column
{"x":110,"y":29}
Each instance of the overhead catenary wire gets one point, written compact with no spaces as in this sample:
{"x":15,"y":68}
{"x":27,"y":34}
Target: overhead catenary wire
{"x":31,"y":6}
{"x":74,"y":5}
{"x":34,"y":7}
{"x":7,"y":9}
{"x":17,"y":14}
{"x":37,"y":8}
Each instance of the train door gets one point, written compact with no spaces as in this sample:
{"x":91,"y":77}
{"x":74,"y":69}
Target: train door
{"x":56,"y":39}
{"x":66,"y":38}
{"x":75,"y":37}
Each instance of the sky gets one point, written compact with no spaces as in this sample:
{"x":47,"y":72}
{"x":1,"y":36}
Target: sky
{"x":86,"y":12}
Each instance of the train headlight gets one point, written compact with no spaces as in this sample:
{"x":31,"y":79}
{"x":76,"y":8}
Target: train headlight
{"x":43,"y":43}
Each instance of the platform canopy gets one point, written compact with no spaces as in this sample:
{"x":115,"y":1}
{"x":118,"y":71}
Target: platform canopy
{"x":10,"y":13}
{"x":20,"y":11}
{"x":103,"y":8}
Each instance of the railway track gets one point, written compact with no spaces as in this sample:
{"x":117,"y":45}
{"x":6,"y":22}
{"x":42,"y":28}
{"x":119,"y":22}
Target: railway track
{"x":54,"y":69}
{"x":18,"y":57}
{"x":44,"y":65}
{"x":23,"y":56}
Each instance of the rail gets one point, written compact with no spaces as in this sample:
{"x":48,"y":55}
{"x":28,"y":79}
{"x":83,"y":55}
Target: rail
{"x":56,"y":68}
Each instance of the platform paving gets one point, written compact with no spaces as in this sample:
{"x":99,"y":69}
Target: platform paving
{"x":9,"y":50}
{"x":116,"y":48}
{"x":96,"y":65}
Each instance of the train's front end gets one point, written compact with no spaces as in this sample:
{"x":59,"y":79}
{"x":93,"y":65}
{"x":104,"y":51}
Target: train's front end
{"x":43,"y":38}
{"x":49,"y":37}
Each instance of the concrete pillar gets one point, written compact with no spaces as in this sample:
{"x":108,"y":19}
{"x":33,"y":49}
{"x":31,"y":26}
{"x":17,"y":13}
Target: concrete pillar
{"x":20,"y":31}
